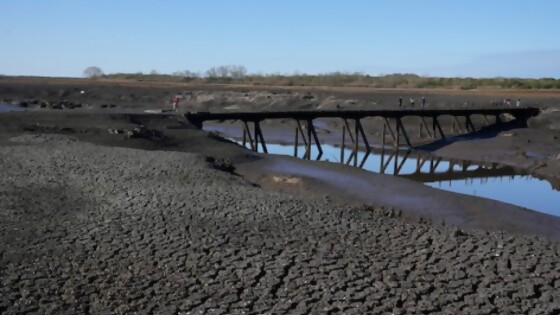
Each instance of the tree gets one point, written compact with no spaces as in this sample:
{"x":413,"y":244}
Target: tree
{"x":212,"y":73}
{"x":238,"y":72}
{"x":223,"y":71}
{"x":93,"y":72}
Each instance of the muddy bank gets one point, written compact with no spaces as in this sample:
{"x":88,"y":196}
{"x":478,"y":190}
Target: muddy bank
{"x":172,"y":133}
{"x":94,"y":229}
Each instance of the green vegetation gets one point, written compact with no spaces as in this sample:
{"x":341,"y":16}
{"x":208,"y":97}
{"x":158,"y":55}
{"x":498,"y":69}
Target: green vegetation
{"x":238,"y":75}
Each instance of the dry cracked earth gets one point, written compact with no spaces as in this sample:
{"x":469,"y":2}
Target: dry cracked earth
{"x":98,"y":230}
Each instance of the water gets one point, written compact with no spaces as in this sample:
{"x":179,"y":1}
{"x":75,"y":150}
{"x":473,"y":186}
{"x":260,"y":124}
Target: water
{"x":491,"y":181}
{"x":9,"y":108}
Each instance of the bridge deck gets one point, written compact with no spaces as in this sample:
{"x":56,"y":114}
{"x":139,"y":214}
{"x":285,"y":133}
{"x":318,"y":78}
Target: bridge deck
{"x":358,"y":114}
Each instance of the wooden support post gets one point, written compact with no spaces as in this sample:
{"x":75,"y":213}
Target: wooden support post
{"x":405,"y":135}
{"x":343,"y":147}
{"x":498,"y":119}
{"x":300,"y":128}
{"x":296,"y":143}
{"x":455,"y":120}
{"x":437,"y":163}
{"x":469,"y":124}
{"x":396,"y":161}
{"x":366,"y":143}
{"x":384,"y":168}
{"x":420,"y":165}
{"x":260,"y":135}
{"x":308,"y":142}
{"x":244,"y":137}
{"x":396,"y":143}
{"x":390,"y":129}
{"x":432,"y":168}
{"x":383,"y":136}
{"x":347,"y":126}
{"x":356,"y":144}
{"x":401,"y":164}
{"x":426,"y":127}
{"x":315,"y":138}
{"x":381,"y":160}
{"x":256,"y":136}
{"x":436,"y":124}
{"x":246,"y":128}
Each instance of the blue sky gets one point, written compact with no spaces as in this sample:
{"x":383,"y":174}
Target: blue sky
{"x":439,"y":38}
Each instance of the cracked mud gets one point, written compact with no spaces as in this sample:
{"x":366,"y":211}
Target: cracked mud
{"x":94,"y":229}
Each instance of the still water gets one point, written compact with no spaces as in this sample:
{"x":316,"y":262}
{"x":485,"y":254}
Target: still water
{"x":9,"y":108}
{"x":492,"y":181}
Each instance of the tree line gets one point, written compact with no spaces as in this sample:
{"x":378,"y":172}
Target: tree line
{"x":239,"y":75}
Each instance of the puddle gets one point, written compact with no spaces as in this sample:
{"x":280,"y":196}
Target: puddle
{"x":10,"y":108}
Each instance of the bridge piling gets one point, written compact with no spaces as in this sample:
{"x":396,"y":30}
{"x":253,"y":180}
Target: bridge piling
{"x":435,"y":124}
{"x":299,"y":129}
{"x":400,"y":127}
{"x":247,"y":132}
{"x":469,"y":123}
{"x":259,"y":135}
{"x":313,"y":132}
{"x":365,"y":140}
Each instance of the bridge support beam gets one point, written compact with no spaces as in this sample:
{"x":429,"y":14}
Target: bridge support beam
{"x":299,"y":130}
{"x":387,"y":126}
{"x":424,"y":126}
{"x":247,"y":134}
{"x":469,"y":124}
{"x":400,"y":129}
{"x":307,"y":140}
{"x":256,"y":138}
{"x":456,"y":125}
{"x":355,"y":138}
{"x":436,"y":125}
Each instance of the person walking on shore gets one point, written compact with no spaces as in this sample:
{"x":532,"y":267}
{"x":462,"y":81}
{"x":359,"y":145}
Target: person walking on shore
{"x":422,"y":102}
{"x":518,"y":103}
{"x":175,"y":102}
{"x":400,"y":101}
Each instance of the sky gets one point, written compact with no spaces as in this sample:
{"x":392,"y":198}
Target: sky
{"x":476,"y":38}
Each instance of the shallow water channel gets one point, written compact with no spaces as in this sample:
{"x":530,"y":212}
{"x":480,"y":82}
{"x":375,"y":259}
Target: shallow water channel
{"x":9,"y":108}
{"x":493,"y":181}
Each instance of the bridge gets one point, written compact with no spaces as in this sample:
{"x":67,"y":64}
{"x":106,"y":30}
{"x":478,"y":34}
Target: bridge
{"x":392,"y":125}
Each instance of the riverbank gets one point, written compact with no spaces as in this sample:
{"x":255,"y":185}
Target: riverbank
{"x":169,"y":132}
{"x":109,"y":210}
{"x":103,"y":228}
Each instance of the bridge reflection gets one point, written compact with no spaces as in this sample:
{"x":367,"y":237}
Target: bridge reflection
{"x":421,"y":166}
{"x":428,"y":168}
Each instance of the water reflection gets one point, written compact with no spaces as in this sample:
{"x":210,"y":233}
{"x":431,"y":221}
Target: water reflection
{"x":415,"y":165}
{"x":489,"y":180}
{"x":9,"y":108}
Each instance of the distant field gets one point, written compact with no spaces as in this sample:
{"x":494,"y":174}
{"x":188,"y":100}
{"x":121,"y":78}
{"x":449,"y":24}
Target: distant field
{"x":163,"y":81}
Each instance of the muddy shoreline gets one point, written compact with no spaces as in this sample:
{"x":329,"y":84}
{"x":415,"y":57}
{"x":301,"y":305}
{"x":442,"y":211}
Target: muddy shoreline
{"x":143,"y":224}
{"x":131,"y":212}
